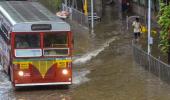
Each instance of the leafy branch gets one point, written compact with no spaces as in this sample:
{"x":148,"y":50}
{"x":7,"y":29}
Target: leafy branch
{"x":164,"y":22}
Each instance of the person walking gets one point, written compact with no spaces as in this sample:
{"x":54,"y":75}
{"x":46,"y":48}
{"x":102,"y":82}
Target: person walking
{"x":136,"y":29}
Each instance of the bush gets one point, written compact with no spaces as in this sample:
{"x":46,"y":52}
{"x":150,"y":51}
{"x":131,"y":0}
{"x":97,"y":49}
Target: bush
{"x":53,"y":5}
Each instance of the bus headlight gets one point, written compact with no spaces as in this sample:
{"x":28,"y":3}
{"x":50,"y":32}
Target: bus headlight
{"x":21,"y":73}
{"x":65,"y":71}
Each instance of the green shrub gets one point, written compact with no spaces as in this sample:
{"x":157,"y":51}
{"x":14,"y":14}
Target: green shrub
{"x":53,"y":5}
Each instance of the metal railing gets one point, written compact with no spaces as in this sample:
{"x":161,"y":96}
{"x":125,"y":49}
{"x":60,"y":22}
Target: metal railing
{"x":151,"y":64}
{"x":76,"y":15}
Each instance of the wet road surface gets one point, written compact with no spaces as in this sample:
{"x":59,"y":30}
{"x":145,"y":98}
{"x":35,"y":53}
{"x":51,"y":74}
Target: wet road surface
{"x":103,"y":69}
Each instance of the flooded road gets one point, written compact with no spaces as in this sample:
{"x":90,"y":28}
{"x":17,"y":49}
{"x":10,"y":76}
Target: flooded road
{"x":113,"y":74}
{"x":103,"y":69}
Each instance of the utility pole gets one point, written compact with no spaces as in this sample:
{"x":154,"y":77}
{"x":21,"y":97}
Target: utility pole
{"x":149,"y":26}
{"x":92,"y":15}
{"x":66,"y":2}
{"x":92,"y":12}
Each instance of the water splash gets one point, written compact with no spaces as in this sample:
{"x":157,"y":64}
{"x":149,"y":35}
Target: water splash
{"x":79,"y":77}
{"x":4,"y":81}
{"x":5,"y":85}
{"x":88,"y":56}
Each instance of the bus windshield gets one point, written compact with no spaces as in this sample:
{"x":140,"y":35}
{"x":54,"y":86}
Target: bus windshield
{"x":27,"y":45}
{"x":56,"y":44}
{"x":55,"y":40}
{"x":27,"y":41}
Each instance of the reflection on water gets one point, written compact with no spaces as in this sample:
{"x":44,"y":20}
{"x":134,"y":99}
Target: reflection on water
{"x":43,"y":94}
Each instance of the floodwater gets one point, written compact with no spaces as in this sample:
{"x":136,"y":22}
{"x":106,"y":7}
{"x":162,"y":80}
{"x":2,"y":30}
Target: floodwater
{"x":103,"y":69}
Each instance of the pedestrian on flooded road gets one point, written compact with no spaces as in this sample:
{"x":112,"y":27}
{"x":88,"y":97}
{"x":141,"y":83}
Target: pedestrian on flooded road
{"x":136,"y":29}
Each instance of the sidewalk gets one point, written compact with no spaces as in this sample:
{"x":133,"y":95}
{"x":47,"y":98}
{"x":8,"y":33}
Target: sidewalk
{"x":143,"y":43}
{"x":155,"y":50}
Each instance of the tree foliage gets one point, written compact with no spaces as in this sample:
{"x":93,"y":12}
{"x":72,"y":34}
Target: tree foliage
{"x":53,"y":5}
{"x":56,"y":4}
{"x":164,"y":22}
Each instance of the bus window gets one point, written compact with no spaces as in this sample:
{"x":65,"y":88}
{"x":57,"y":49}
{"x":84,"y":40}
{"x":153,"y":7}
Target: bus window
{"x":56,"y":44}
{"x":55,"y":40}
{"x":27,"y":41}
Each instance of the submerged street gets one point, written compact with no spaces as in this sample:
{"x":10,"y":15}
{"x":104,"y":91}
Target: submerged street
{"x":103,"y":68}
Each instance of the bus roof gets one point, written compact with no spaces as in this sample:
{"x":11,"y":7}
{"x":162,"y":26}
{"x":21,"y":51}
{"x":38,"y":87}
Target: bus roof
{"x":26,"y":13}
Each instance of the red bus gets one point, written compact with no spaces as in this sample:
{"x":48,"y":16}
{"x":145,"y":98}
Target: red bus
{"x":35,"y":45}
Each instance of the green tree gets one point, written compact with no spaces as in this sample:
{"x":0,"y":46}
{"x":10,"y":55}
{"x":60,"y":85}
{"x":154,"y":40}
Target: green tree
{"x":164,"y":22}
{"x":56,"y":4}
{"x":53,"y":5}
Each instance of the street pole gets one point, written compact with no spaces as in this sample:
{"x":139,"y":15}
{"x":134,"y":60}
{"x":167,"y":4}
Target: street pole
{"x":149,"y":25}
{"x":92,"y":15}
{"x":85,"y":8}
{"x":66,"y":2}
